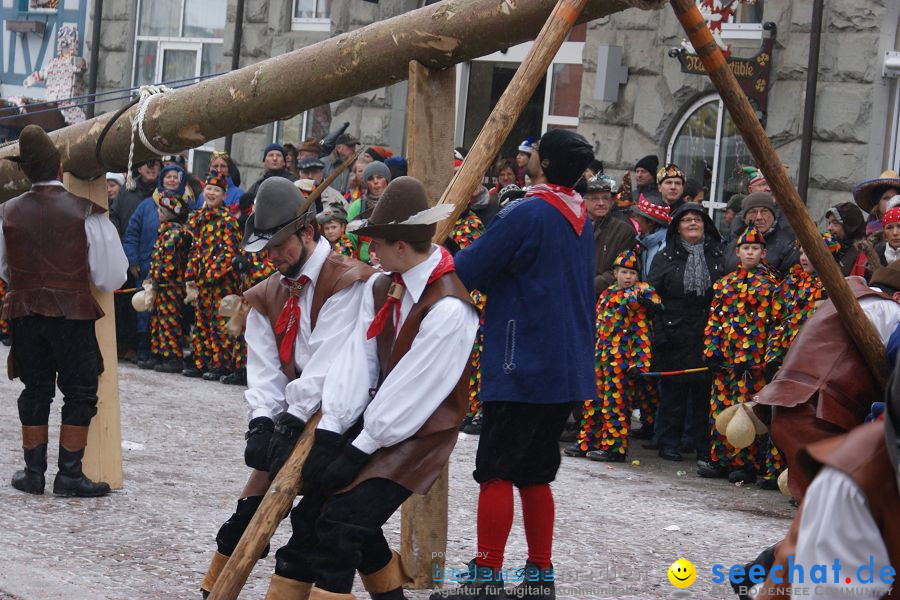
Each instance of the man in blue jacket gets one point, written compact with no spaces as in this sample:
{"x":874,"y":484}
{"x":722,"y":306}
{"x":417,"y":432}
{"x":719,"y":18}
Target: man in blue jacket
{"x":535,"y":263}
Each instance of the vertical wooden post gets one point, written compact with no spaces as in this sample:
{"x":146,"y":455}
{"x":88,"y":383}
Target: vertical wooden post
{"x":430,"y":118}
{"x":103,"y":455}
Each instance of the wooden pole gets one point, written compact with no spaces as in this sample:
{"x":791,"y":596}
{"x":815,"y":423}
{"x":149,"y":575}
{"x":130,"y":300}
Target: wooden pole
{"x":857,"y":324}
{"x":103,"y":455}
{"x":505,"y":114}
{"x":274,"y":506}
{"x":430,"y":117}
{"x":438,"y":35}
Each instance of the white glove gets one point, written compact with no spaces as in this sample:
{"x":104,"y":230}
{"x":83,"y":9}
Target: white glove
{"x":191,"y":291}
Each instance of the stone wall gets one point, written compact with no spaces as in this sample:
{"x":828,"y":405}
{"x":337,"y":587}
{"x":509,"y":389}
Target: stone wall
{"x":267,"y":33}
{"x":848,"y":128}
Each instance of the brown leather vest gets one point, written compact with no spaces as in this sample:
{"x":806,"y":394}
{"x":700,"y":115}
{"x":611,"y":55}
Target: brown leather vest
{"x":862,"y":454}
{"x":824,"y":361}
{"x":47,"y":252}
{"x":338,"y":273}
{"x":416,"y":462}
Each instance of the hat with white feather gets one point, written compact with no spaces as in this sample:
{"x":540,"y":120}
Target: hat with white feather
{"x":402,"y":213}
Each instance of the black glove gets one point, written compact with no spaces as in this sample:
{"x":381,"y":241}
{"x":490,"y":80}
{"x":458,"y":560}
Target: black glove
{"x":633,"y":372}
{"x":240,"y":264}
{"x":326,"y":448}
{"x":739,"y":370}
{"x":715,"y":363}
{"x":287,"y":431}
{"x":258,"y":435}
{"x":344,"y":470}
{"x":330,"y":141}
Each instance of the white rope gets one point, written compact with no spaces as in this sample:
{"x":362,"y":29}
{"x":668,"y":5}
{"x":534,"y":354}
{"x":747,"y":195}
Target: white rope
{"x":147,"y":93}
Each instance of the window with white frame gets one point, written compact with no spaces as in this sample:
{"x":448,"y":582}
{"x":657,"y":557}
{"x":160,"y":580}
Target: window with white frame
{"x":554,"y":104}
{"x":707,"y":146}
{"x":177,"y":40}
{"x":311,"y":15}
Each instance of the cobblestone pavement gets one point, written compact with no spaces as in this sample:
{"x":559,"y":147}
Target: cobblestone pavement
{"x":618,"y":528}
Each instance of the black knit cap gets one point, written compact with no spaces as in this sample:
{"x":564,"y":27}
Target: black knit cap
{"x":649,"y":162}
{"x":564,"y":156}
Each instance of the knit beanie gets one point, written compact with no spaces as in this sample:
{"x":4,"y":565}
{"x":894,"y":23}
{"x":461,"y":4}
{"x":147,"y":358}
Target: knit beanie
{"x":564,"y":156}
{"x":759,"y":200}
{"x":271,"y":147}
{"x":649,"y":162}
{"x":377,"y":168}
{"x":735,"y":203}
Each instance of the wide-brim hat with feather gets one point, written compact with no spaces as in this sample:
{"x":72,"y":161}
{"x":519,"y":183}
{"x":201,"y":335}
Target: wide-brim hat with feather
{"x":277,"y":215}
{"x":402,"y":213}
{"x":864,"y":193}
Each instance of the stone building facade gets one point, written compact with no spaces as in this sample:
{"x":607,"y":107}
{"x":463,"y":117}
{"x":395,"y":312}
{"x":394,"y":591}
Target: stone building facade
{"x":660,"y":110}
{"x":854,"y":136}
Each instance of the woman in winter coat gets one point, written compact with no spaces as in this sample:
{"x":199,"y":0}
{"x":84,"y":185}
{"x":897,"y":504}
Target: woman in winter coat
{"x":683,"y":274}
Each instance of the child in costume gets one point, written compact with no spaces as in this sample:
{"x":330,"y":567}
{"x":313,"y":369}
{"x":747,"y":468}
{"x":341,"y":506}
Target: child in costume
{"x":624,"y":327}
{"x":333,"y":221}
{"x":740,"y":323}
{"x":166,"y":275}
{"x":251,"y":268}
{"x":209,"y":278}
{"x":467,"y":229}
{"x":795,"y":301}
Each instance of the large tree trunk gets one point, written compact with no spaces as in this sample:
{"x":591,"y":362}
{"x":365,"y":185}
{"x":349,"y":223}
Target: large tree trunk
{"x":438,"y":36}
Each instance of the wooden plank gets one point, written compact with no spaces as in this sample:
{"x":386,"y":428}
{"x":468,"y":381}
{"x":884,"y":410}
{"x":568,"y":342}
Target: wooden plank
{"x":430,"y":120}
{"x":103,"y":455}
{"x":430,"y":123}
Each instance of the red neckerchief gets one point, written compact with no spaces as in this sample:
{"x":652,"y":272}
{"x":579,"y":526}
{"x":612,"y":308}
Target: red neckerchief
{"x":395,"y":294}
{"x":288,"y":322}
{"x":550,"y":193}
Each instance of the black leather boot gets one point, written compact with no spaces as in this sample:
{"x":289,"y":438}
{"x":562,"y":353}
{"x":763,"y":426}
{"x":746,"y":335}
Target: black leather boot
{"x":70,"y":480}
{"x":34,"y":444}
{"x":483,"y":583}
{"x":537,"y":583}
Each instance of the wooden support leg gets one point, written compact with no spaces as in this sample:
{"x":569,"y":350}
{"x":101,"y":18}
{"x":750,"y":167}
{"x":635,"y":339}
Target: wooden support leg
{"x":103,"y":455}
{"x":430,"y":125}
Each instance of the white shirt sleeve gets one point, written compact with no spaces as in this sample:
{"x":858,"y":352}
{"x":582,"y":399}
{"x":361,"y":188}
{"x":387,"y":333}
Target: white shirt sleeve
{"x":265,"y":379}
{"x":345,"y":392}
{"x":106,"y":257}
{"x":334,"y":325}
{"x":423,"y":378}
{"x":884,"y":314}
{"x":836,"y":523}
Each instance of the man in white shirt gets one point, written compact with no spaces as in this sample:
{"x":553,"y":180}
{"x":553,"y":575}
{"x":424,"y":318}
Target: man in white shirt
{"x":390,"y":410}
{"x":53,"y":247}
{"x":298,"y":320}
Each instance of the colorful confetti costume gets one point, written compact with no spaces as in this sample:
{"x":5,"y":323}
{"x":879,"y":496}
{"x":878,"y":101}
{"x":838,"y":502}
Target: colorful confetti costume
{"x":740,"y":323}
{"x":624,"y":329}
{"x":795,"y":301}
{"x":466,"y":230}
{"x":167,"y":266}
{"x":260,"y":268}
{"x":217,"y":238}
{"x":345,"y":246}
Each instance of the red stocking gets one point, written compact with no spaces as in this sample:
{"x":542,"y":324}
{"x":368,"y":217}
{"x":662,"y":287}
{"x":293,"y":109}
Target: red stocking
{"x":495,"y":517}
